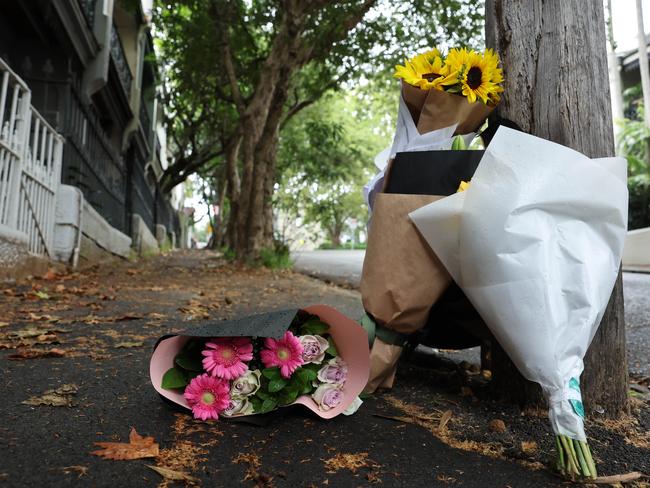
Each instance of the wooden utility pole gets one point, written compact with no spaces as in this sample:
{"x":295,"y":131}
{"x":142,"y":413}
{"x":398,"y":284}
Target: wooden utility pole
{"x":554,"y":61}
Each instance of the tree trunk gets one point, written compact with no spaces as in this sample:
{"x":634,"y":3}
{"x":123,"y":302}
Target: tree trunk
{"x":556,"y":87}
{"x":335,"y":238}
{"x":269,"y":188}
{"x":233,"y":188}
{"x":219,"y":223}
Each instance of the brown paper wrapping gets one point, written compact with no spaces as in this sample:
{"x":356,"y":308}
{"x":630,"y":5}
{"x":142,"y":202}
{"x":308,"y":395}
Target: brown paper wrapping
{"x":383,"y":365}
{"x":401,"y":278}
{"x":435,"y":109}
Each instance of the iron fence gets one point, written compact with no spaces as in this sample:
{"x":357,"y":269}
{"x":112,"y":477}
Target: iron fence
{"x":91,"y":163}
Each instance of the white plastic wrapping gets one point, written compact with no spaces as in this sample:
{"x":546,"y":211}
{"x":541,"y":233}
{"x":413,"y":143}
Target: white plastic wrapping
{"x":408,"y":139}
{"x":535,"y":243}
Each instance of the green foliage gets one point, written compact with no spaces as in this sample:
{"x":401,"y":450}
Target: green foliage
{"x":327,"y":245}
{"x":314,"y":326}
{"x":326,"y":156}
{"x":639,"y":210}
{"x":634,"y":144}
{"x":201,"y":114}
{"x":332,"y":351}
{"x":174,"y":378}
{"x":277,"y":257}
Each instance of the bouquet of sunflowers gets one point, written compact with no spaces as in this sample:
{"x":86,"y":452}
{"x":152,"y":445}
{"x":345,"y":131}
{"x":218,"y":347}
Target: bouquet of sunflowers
{"x":442,"y":91}
{"x":444,"y":100}
{"x":463,"y":71}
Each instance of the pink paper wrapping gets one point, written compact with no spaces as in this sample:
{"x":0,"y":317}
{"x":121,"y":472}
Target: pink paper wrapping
{"x":351,"y":342}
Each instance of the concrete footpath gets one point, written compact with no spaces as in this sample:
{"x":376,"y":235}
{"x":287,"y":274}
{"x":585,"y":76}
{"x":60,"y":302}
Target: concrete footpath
{"x":89,"y":336}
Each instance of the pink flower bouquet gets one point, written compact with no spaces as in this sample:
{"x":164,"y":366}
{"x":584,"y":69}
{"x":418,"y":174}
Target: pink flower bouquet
{"x":316,"y":357}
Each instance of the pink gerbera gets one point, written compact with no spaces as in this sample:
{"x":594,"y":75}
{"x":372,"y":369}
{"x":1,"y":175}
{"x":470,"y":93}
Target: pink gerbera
{"x":285,"y":353}
{"x":225,"y":357}
{"x":207,"y":396}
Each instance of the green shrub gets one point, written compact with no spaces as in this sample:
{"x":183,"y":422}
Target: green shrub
{"x":276,"y":257}
{"x":639,"y":210}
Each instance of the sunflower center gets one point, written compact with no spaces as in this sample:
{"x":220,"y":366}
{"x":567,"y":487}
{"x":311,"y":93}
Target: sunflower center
{"x":474,"y":77}
{"x":283,"y":354}
{"x":430,"y":76}
{"x":207,"y":398}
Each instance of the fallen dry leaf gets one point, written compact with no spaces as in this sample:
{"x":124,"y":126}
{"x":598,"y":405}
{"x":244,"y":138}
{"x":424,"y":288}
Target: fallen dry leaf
{"x":138,"y":447}
{"x":171,"y":474}
{"x":129,"y":344}
{"x":497,"y":425}
{"x":51,"y":275}
{"x":443,"y":478}
{"x":444,"y":420}
{"x":528,"y":447}
{"x":60,"y":397}
{"x":81,"y":470}
{"x":128,"y":316}
{"x":45,"y":317}
{"x":261,"y":480}
{"x":37,"y":353}
{"x":348,"y":461}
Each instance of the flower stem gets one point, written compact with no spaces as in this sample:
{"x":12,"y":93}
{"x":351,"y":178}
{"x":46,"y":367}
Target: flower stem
{"x":590,"y":460}
{"x":574,"y":458}
{"x":581,"y":459}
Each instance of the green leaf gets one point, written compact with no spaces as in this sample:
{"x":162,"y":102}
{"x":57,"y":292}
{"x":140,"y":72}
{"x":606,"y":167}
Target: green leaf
{"x":272,"y":373}
{"x":288,"y":396}
{"x":458,"y":144}
{"x":263,"y":395}
{"x":313,"y":367}
{"x":308,"y":388}
{"x":256,"y":402}
{"x":314,"y":326}
{"x":268,"y":405}
{"x":174,"y":378}
{"x":189,"y":362}
{"x":332,"y":351}
{"x":306,"y":375}
{"x":277,"y":385}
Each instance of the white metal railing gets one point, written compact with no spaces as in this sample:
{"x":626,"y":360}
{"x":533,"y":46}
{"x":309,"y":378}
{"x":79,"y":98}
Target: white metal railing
{"x":30,"y":165}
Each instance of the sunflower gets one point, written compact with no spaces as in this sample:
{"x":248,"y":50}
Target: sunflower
{"x":423,"y":70}
{"x":477,"y":76}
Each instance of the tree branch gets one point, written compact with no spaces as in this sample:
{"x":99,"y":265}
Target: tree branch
{"x":227,"y":57}
{"x":337,"y":33}
{"x":294,"y":109}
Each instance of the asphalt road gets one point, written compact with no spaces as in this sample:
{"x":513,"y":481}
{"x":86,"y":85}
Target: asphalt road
{"x":344,"y":268}
{"x":105,"y":322}
{"x":340,"y":267}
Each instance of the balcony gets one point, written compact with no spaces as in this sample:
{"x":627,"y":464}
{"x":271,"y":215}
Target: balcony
{"x":88,"y":9}
{"x":145,"y":120}
{"x":120,"y":62}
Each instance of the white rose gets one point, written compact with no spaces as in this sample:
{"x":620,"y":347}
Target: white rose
{"x":335,"y":371}
{"x":246,"y":385}
{"x":238,"y":407}
{"x":328,"y":396}
{"x":313,"y":348}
